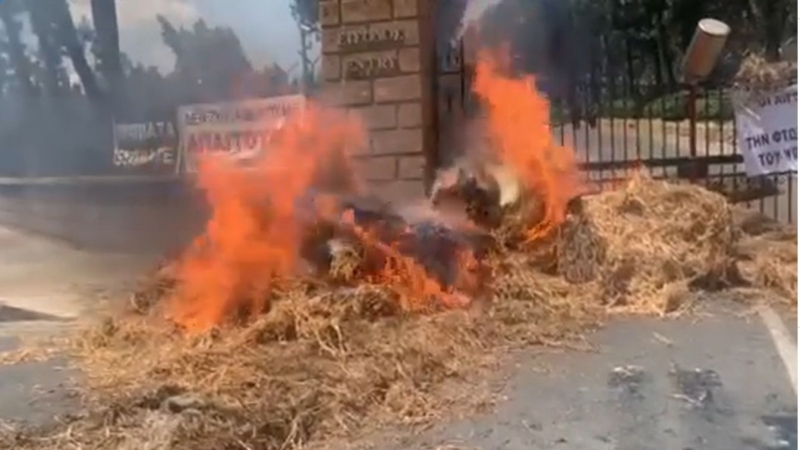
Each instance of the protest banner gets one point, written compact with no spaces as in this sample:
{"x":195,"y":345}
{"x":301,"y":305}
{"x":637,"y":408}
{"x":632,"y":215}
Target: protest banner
{"x":146,"y":147}
{"x":766,"y":125}
{"x":240,"y":130}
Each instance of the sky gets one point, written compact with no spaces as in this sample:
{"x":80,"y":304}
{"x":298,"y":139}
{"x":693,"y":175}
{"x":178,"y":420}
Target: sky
{"x":265,"y":27}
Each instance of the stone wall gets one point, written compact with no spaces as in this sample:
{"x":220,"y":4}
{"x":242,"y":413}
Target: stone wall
{"x":377,"y":61}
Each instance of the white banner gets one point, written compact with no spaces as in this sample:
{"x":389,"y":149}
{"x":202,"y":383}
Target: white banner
{"x":242,"y":130}
{"x":767,"y":132}
{"x":146,"y":147}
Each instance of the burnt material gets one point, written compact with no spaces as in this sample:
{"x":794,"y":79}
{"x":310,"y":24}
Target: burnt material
{"x":438,"y":249}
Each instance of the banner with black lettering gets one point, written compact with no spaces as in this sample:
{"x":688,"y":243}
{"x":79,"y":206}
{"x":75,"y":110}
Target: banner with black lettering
{"x":146,"y":147}
{"x":766,"y":125}
{"x":241,"y":130}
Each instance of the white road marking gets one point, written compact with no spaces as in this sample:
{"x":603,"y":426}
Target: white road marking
{"x":787,"y":349}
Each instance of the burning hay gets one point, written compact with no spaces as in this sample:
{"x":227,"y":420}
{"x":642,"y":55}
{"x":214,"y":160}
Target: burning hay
{"x":310,"y":310}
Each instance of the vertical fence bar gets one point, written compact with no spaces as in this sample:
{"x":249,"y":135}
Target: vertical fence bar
{"x":637,"y":117}
{"x":708,"y":123}
{"x":601,"y":94}
{"x":693,"y":167}
{"x":587,"y":106}
{"x":563,"y":120}
{"x":612,"y":75}
{"x":623,"y":104}
{"x":790,"y":199}
{"x":663,"y":154}
{"x":575,"y":104}
{"x":649,"y":112}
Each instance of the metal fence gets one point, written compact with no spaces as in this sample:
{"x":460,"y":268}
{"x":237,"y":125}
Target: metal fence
{"x":617,"y":124}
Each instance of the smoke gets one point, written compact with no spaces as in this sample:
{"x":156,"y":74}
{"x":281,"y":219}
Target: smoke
{"x":549,"y":39}
{"x":449,"y":18}
{"x":545,"y":36}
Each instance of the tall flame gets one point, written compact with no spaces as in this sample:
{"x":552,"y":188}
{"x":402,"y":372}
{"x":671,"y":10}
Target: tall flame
{"x":520,"y":132}
{"x":252,"y":240}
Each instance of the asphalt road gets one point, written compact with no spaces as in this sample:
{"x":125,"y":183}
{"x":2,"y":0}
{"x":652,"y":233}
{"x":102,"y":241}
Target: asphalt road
{"x":713,"y":384}
{"x":47,"y":287}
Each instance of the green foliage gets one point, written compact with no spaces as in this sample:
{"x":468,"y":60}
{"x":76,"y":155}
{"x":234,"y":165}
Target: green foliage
{"x":675,"y":107}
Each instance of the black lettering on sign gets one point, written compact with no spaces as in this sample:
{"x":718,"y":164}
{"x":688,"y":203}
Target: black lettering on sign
{"x":786,"y":134}
{"x":368,"y":38}
{"x":786,"y":98}
{"x":368,"y":67}
{"x":770,"y":159}
{"x":790,"y":153}
{"x":761,"y":140}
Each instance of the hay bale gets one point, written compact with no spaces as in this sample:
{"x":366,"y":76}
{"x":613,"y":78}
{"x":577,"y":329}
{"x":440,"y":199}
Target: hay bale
{"x":757,"y":74}
{"x":636,"y":243}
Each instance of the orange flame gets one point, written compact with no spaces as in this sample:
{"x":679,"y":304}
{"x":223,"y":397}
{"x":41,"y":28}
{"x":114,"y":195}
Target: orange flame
{"x":416,"y":289}
{"x":519,"y":128}
{"x":252,"y":240}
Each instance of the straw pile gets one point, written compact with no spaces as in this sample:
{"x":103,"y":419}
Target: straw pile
{"x":645,"y":245}
{"x":757,"y":74}
{"x":758,"y":77}
{"x":335,"y":359}
{"x":767,"y":255}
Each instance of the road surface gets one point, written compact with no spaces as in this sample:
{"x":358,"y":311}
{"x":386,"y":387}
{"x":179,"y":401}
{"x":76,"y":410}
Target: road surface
{"x":46,"y":287}
{"x":714,"y":384}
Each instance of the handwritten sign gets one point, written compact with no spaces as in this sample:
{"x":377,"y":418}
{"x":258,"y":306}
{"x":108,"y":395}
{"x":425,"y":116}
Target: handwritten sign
{"x":150,"y":147}
{"x":240,"y":130}
{"x":767,"y":132}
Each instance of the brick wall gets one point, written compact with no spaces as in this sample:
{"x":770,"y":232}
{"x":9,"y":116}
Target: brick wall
{"x":376,"y":61}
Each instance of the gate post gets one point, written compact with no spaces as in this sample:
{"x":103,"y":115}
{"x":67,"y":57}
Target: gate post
{"x":377,"y":61}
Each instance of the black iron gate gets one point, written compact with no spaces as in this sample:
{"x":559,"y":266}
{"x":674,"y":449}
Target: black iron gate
{"x":618,"y":123}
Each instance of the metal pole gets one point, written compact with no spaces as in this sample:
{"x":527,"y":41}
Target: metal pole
{"x":693,"y":120}
{"x":694,"y":168}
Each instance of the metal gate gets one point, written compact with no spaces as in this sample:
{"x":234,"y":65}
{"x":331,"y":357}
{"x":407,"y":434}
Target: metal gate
{"x":618,"y":123}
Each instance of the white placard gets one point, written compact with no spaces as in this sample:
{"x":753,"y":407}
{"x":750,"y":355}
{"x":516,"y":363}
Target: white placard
{"x":767,"y":132}
{"x":149,"y":147}
{"x":240,"y":130}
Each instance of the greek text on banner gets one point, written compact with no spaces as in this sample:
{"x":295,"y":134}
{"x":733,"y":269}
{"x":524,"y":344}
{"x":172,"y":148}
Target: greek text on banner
{"x":240,"y":130}
{"x":767,"y":132}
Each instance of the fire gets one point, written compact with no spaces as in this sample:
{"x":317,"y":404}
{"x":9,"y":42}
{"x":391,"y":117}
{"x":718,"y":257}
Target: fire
{"x":520,"y":134}
{"x":257,"y":233}
{"x":252,"y":240}
{"x":415,"y":288}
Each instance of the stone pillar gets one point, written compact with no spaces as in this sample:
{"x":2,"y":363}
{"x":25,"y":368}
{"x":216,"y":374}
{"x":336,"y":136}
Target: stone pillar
{"x":377,"y":58}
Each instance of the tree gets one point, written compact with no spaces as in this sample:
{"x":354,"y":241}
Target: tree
{"x":306,"y":15}
{"x":16,"y":48}
{"x":68,"y":37}
{"x":104,"y":18}
{"x":52,"y":74}
{"x":208,"y":61}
